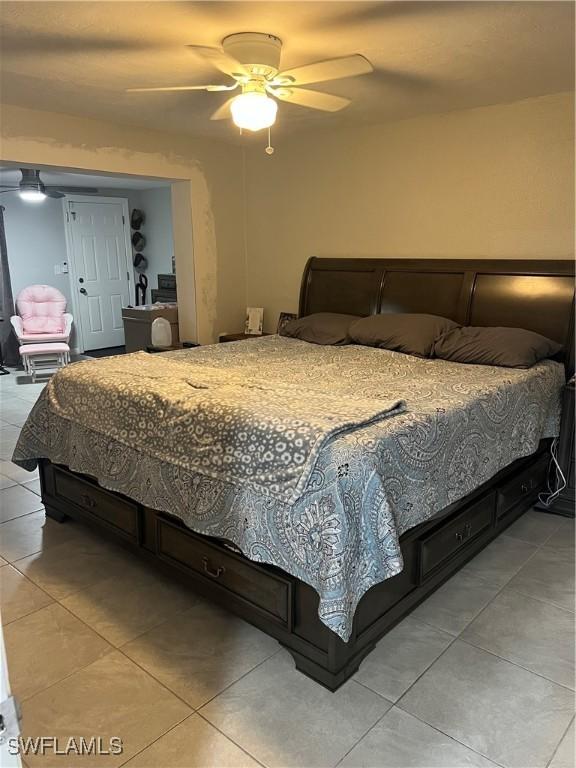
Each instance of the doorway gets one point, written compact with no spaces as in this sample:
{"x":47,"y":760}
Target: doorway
{"x":40,"y":238}
{"x":99,"y":253}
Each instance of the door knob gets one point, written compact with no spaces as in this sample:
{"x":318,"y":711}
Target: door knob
{"x":84,"y":291}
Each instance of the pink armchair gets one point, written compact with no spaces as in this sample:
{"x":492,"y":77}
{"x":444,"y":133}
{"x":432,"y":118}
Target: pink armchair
{"x":42,"y":316}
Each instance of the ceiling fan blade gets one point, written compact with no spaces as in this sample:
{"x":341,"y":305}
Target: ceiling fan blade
{"x":313,"y":99}
{"x":221,"y":60}
{"x":61,"y":190}
{"x":55,"y":194}
{"x":223,"y":111}
{"x":322,"y":71}
{"x":184,"y":88}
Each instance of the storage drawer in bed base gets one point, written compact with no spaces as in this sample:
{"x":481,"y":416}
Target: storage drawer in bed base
{"x":522,"y":488}
{"x":281,"y":605}
{"x":103,"y":507}
{"x":449,"y":540}
{"x":258,"y":588}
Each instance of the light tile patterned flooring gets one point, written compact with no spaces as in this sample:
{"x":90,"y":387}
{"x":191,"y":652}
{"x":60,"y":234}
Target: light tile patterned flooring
{"x":481,"y":674}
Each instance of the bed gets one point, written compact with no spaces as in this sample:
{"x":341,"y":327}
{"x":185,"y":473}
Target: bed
{"x":324,"y":554}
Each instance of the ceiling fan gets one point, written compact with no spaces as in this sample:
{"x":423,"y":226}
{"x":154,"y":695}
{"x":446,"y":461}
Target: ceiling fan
{"x":252,"y":60}
{"x":32,"y":189}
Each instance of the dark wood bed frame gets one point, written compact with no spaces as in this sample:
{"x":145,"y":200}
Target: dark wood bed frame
{"x":534,"y":294}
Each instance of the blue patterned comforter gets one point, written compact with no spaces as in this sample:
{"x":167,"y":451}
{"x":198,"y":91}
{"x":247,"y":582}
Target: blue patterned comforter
{"x":367,"y":486}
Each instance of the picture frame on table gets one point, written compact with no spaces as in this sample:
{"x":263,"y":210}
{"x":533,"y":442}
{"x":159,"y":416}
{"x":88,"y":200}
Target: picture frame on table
{"x":284,"y":318}
{"x":254,"y":321}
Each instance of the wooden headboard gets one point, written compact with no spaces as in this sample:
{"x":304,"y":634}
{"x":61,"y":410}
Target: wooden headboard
{"x":534,"y":294}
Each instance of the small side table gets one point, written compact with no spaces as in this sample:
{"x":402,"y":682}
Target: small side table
{"x":240,"y":336}
{"x":565,"y":503}
{"x":184,"y":345}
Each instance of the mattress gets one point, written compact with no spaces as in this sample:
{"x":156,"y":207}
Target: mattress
{"x":461,"y":424}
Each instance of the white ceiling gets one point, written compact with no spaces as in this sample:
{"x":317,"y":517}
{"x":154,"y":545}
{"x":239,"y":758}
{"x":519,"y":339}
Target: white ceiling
{"x":11,"y":175}
{"x":78,"y":57}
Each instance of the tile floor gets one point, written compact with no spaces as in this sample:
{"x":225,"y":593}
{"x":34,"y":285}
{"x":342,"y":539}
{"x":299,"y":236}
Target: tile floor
{"x":481,"y":674}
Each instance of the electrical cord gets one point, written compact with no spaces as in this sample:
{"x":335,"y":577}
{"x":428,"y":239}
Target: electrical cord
{"x":548,"y":498}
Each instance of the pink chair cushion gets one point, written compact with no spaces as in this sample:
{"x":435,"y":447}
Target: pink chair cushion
{"x":42,"y":309}
{"x":41,"y":338}
{"x":43,"y":325}
{"x":43,"y":349}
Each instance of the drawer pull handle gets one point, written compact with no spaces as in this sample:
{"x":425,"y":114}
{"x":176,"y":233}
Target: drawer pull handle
{"x":465,"y":534}
{"x":88,"y":501}
{"x":524,"y":487}
{"x":214,"y":574}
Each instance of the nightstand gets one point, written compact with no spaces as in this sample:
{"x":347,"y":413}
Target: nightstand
{"x":566,"y":501}
{"x":564,"y":504}
{"x":239,"y":336}
{"x":184,"y":345}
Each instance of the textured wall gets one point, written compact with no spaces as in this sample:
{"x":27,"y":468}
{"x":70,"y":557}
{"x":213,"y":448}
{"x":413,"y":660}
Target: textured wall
{"x":489,"y":182}
{"x":208,"y":221}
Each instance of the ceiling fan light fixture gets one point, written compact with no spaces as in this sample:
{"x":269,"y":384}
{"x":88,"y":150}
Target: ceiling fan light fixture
{"x":31,"y":189}
{"x":32,"y":195}
{"x":253,"y":111}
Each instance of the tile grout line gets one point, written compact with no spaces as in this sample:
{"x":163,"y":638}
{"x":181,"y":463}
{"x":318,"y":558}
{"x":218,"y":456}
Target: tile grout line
{"x":144,"y":748}
{"x":21,"y":517}
{"x":52,"y":600}
{"x":395,"y":703}
{"x":364,"y":735}
{"x":58,"y":601}
{"x":516,"y":664}
{"x":230,"y":738}
{"x":107,"y":653}
{"x":541,"y":600}
{"x":196,"y":711}
{"x":560,"y":742}
{"x":79,"y":669}
{"x":459,"y":637}
{"x":510,"y":579}
{"x":113,"y":647}
{"x":411,"y":714}
{"x":490,"y":601}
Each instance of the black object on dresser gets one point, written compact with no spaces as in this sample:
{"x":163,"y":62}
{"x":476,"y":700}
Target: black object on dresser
{"x":166,"y":290}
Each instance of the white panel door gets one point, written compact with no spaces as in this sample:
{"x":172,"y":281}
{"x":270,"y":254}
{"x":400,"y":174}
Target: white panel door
{"x":101,"y":271}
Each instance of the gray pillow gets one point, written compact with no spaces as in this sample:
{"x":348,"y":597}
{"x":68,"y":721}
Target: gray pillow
{"x":413,"y":334}
{"x":320,"y":328}
{"x":509,"y":347}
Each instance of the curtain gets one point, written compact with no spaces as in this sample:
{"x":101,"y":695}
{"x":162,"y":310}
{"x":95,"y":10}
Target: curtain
{"x":8,"y":341}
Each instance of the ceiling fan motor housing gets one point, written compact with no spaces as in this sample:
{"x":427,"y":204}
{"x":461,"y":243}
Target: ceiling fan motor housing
{"x":31,"y":180}
{"x":258,"y":52}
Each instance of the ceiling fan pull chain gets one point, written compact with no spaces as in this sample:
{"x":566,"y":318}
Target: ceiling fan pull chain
{"x":269,"y":149}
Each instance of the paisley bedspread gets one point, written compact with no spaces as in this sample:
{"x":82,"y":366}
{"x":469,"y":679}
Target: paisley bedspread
{"x":337,"y":525}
